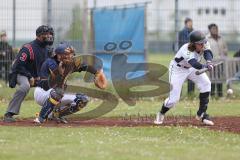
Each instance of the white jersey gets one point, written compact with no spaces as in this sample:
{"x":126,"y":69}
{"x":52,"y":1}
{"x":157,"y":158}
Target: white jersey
{"x":182,"y":70}
{"x":185,"y":55}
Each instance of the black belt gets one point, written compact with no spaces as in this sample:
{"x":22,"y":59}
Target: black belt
{"x":183,"y":66}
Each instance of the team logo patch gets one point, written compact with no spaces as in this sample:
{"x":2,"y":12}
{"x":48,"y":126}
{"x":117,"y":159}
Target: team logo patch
{"x":23,"y":57}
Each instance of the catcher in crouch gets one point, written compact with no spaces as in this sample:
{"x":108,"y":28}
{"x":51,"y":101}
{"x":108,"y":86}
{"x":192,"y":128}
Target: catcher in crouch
{"x":49,"y":92}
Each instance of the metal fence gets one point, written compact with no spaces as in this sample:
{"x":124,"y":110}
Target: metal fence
{"x":6,"y":58}
{"x":228,"y":70}
{"x":71,"y":20}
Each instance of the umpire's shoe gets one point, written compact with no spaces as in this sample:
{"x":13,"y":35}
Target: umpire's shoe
{"x":204,"y":117}
{"x":8,"y":117}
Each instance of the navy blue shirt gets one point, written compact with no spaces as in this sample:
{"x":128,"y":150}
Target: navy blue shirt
{"x":183,"y":36}
{"x":52,"y":64}
{"x":49,"y":64}
{"x":30,"y":58}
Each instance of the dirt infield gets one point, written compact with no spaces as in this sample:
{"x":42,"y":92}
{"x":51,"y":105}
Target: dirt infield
{"x":229,"y":124}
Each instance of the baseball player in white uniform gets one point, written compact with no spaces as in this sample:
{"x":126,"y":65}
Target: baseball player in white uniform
{"x":184,"y":65}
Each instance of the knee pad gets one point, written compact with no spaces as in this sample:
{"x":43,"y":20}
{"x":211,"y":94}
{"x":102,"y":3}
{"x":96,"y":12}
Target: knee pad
{"x":81,"y":100}
{"x":56,"y":95}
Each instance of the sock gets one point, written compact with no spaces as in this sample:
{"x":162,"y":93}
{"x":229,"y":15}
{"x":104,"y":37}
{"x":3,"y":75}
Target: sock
{"x":164,"y":109}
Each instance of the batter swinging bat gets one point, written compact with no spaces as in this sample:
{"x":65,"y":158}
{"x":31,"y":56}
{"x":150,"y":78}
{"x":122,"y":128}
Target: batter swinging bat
{"x":206,"y":69}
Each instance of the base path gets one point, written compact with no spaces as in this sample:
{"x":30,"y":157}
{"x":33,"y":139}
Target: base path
{"x":229,"y":124}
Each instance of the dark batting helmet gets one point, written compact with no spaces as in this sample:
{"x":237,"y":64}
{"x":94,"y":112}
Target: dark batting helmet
{"x":197,"y":37}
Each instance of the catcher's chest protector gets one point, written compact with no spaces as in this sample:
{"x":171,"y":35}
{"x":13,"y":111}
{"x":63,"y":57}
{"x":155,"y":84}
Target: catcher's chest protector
{"x":59,"y":79}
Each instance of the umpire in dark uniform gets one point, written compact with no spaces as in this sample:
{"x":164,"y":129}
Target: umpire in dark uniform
{"x":26,"y":68}
{"x":183,"y":38}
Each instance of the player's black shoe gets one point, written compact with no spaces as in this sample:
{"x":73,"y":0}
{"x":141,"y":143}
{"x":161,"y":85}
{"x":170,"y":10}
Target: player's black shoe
{"x":54,"y":116}
{"x":62,"y":120}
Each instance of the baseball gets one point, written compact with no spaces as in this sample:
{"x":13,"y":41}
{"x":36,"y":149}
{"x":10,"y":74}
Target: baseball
{"x":229,"y":91}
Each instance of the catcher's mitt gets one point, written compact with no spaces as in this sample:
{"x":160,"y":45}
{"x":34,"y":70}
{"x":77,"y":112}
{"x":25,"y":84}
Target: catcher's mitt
{"x":100,"y":80}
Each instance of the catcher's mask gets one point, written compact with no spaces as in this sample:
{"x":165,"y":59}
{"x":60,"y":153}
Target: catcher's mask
{"x":64,"y":51}
{"x":46,"y":33}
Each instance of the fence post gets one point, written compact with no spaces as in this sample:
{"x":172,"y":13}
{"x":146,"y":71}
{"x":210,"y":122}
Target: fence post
{"x":49,"y":12}
{"x":14,"y":24}
{"x":85,"y":27}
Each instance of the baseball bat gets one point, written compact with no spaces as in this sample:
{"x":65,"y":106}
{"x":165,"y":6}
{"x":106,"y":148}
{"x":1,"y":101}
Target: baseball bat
{"x":206,"y":69}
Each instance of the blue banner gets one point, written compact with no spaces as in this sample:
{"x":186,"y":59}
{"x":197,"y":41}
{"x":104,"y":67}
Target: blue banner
{"x":119,"y":30}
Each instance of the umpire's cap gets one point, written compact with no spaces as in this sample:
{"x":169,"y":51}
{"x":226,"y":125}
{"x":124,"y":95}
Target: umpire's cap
{"x":63,"y":47}
{"x":44,"y":29}
{"x":197,"y":37}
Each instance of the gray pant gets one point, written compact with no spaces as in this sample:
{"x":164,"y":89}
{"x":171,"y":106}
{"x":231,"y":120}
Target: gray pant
{"x":19,"y":95}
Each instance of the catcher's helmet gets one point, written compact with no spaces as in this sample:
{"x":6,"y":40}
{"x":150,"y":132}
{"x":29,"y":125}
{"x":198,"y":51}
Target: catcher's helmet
{"x":197,"y":37}
{"x":44,"y":29}
{"x":64,"y":48}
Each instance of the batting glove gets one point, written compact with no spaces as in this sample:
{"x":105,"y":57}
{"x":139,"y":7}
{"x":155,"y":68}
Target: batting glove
{"x":209,"y":65}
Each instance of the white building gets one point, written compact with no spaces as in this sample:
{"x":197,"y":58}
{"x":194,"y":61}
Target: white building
{"x":160,"y":15}
{"x":28,"y":17}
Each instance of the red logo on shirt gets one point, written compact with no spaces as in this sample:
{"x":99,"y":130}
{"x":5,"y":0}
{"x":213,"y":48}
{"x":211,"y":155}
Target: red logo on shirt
{"x":23,"y":57}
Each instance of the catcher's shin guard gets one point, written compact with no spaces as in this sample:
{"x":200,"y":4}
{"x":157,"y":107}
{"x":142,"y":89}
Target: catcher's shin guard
{"x":203,"y":104}
{"x":55,"y":97}
{"x":47,"y":108}
{"x":80,"y":102}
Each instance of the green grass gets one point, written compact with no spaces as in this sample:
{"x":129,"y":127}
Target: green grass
{"x":184,"y":107}
{"x":163,"y":59}
{"x":140,"y":143}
